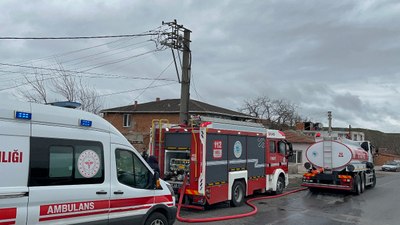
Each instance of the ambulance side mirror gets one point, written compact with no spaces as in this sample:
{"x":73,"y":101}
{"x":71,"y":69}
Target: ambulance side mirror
{"x":156,"y":180}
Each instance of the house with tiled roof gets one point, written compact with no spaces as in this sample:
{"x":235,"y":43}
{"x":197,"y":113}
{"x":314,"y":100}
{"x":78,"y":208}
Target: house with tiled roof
{"x":300,"y":143}
{"x":134,"y":121}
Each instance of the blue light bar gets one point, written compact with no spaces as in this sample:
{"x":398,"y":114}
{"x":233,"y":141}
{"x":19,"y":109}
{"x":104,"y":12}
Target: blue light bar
{"x":23,"y":115}
{"x":85,"y":123}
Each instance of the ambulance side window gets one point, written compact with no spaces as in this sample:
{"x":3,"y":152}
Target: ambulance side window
{"x":61,"y":160}
{"x":65,"y":162}
{"x":131,"y":171}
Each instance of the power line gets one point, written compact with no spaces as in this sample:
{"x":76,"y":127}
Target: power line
{"x":80,"y":37}
{"x":91,"y":58}
{"x":91,"y":75}
{"x":138,"y":89}
{"x":72,"y":52}
{"x":56,"y":70}
{"x":162,"y":72}
{"x":97,"y":54}
{"x":119,"y":60}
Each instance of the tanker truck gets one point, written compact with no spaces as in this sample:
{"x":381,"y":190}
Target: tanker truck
{"x":339,"y":164}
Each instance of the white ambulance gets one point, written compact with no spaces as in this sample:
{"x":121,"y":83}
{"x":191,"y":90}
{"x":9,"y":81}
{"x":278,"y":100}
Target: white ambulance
{"x":67,"y":166}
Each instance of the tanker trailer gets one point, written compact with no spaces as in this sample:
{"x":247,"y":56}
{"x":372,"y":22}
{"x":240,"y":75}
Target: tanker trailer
{"x":339,"y":164}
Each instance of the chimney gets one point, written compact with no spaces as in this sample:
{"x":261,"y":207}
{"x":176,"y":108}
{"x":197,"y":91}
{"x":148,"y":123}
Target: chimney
{"x":135,"y":105}
{"x":157,"y":99}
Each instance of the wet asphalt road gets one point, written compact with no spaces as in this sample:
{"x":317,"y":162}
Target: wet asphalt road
{"x":377,"y":206}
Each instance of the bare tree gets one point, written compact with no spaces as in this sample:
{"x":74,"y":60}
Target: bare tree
{"x":61,"y":83}
{"x":276,"y":113}
{"x":66,"y":85}
{"x":39,"y":91}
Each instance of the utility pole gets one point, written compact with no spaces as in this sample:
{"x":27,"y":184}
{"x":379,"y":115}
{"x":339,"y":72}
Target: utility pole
{"x":174,"y":40}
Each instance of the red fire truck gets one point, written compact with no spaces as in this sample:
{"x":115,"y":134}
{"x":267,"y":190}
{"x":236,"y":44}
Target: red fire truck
{"x":222,"y":159}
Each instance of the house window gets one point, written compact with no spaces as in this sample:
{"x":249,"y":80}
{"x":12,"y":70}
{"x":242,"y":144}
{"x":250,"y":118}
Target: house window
{"x":127,"y":120}
{"x":297,"y":157}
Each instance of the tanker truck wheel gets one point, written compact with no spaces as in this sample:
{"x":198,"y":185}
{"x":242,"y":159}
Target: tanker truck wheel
{"x":237,"y":194}
{"x":373,"y":181}
{"x":357,"y":185}
{"x":362,"y":182}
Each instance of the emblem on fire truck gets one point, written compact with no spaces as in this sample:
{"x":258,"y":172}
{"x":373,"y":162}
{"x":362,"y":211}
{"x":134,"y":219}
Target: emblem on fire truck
{"x":237,"y":149}
{"x":88,"y":163}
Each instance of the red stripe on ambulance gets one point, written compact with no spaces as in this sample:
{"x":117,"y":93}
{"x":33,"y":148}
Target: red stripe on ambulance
{"x":55,"y":209}
{"x":163,"y":198}
{"x":73,"y":215}
{"x":8,"y":216}
{"x":8,"y":213}
{"x":89,"y":208}
{"x":7,"y":223}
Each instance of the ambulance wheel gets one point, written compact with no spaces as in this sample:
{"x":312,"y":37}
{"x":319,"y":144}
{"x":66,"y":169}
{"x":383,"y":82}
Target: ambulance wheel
{"x":156,"y":218}
{"x":280,"y":185}
{"x":237,"y":194}
{"x":357,"y":185}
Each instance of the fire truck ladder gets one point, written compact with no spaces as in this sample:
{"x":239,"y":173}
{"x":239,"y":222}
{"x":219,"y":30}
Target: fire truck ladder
{"x":156,"y":142}
{"x":225,"y":124}
{"x":327,"y":154}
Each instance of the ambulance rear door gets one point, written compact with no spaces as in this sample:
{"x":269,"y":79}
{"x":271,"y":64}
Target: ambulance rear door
{"x":14,"y":156}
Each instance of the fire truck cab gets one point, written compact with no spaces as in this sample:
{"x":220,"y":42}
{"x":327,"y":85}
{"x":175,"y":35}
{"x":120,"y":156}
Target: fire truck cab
{"x":67,"y":166}
{"x":222,"y":159}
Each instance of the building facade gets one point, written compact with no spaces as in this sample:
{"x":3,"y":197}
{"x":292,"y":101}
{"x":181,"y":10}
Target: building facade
{"x":134,"y":121}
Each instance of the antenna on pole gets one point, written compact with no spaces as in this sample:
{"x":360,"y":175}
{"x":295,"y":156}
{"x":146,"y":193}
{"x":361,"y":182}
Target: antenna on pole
{"x":330,"y":123}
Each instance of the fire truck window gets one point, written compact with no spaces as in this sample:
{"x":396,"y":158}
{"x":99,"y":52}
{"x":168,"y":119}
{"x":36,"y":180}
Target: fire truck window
{"x":282,"y":148}
{"x":272,"y":147}
{"x":131,"y":171}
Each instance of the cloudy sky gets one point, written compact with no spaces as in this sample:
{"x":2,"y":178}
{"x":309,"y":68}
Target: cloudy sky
{"x":339,"y":56}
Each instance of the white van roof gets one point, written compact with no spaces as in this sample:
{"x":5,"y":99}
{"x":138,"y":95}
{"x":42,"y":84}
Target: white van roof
{"x":56,"y":116}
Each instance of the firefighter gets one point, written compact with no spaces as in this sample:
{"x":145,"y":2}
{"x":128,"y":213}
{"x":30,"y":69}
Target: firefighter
{"x":153,"y":163}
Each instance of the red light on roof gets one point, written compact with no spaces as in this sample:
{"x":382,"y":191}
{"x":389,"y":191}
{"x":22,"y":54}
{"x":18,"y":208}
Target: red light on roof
{"x":318,"y":135}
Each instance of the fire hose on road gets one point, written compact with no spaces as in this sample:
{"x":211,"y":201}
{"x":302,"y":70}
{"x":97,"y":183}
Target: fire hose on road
{"x":220,"y":218}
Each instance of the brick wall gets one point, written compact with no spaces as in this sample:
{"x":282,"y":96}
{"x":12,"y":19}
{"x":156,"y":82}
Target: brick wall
{"x":382,"y":158}
{"x":140,"y":126}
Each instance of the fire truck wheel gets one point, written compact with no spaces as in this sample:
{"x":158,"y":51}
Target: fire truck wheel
{"x":237,"y":194}
{"x":280,"y":185}
{"x":156,"y":218}
{"x":357,"y":185}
